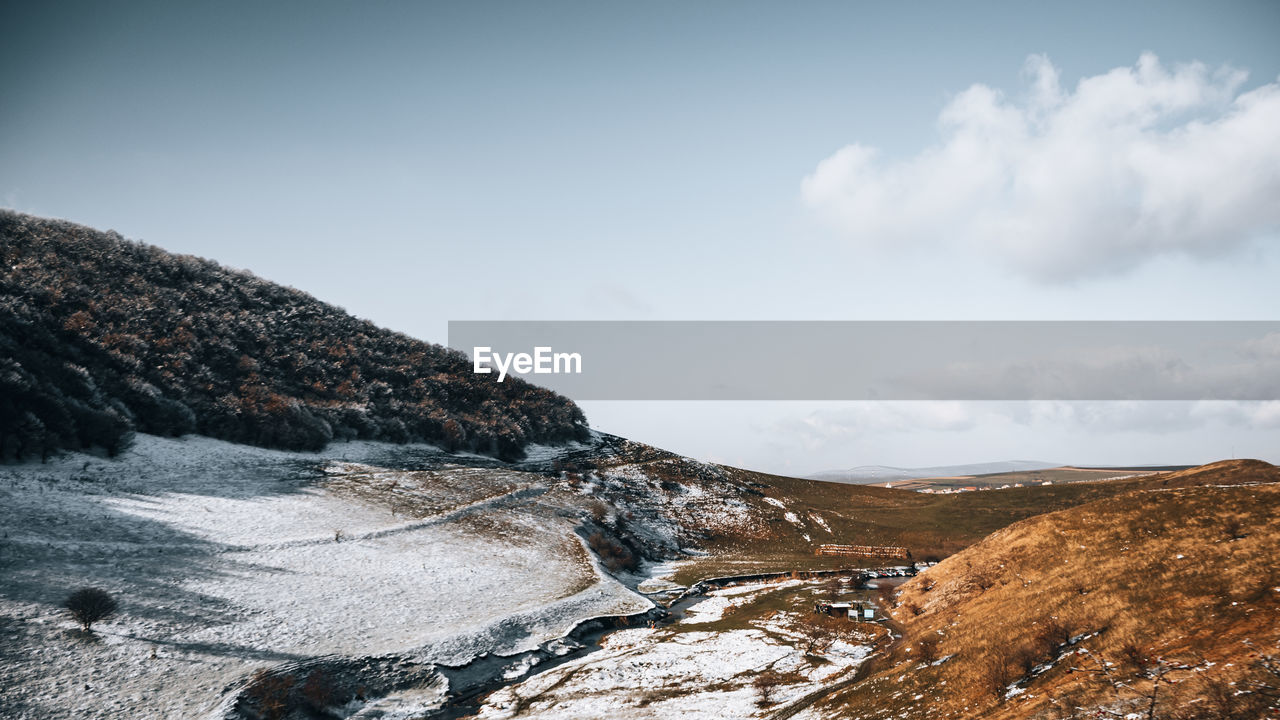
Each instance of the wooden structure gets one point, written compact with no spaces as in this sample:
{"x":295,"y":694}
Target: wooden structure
{"x":864,"y":551}
{"x":856,"y":612}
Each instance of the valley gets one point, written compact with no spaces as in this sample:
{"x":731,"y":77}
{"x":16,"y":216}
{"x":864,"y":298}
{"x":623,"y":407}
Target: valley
{"x":373,"y":580}
{"x":223,"y":499}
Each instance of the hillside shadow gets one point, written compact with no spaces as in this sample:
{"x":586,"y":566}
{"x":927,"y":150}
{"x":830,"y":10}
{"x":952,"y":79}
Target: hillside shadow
{"x":87,"y":521}
{"x":60,"y":532}
{"x":146,"y":564}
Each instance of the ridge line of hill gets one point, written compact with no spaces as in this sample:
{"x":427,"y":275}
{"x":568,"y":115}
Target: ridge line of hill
{"x":102,"y":337}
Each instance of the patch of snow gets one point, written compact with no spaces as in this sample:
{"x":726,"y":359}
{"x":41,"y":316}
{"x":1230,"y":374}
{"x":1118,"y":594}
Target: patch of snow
{"x":713,"y":607}
{"x":645,"y":673}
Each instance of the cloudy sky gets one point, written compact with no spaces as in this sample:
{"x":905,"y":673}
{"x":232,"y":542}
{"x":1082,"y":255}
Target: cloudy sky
{"x":418,"y":163}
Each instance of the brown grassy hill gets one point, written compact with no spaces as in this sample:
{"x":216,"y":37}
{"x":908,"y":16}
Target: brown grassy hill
{"x":790,"y":516}
{"x":1171,"y":590}
{"x":1224,"y":472}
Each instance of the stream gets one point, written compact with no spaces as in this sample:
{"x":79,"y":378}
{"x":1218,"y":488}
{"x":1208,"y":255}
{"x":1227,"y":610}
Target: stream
{"x":470,"y":691}
{"x":466,"y":686}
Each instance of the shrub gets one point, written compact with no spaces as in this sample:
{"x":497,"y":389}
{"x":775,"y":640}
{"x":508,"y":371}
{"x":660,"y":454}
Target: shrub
{"x":1053,"y":633}
{"x":928,"y":649}
{"x":318,"y":690}
{"x":818,"y":632}
{"x":1235,"y":529}
{"x":1027,"y":657}
{"x":614,"y":555}
{"x":833,"y":588}
{"x":982,"y":579}
{"x":766,"y":683}
{"x":270,"y":692}
{"x":1135,"y":656}
{"x":599,"y":511}
{"x":996,"y":673}
{"x":89,"y":605}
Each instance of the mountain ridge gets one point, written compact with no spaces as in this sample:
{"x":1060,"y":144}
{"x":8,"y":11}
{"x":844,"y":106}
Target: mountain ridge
{"x":865,"y":474}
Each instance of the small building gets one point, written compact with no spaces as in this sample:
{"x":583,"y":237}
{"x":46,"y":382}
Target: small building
{"x":855,"y":612}
{"x":838,"y":609}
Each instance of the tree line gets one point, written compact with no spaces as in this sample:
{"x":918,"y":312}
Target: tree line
{"x":102,"y":337}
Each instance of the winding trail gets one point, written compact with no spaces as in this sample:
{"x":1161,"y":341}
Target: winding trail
{"x":512,"y":497}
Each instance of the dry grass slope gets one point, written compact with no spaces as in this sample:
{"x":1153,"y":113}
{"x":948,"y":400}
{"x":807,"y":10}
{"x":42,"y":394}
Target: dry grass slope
{"x":791,"y":517}
{"x":1173,"y":587}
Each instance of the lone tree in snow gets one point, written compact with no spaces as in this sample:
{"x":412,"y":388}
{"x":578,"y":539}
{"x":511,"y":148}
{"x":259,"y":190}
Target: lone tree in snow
{"x":766,"y":684}
{"x":89,"y":605}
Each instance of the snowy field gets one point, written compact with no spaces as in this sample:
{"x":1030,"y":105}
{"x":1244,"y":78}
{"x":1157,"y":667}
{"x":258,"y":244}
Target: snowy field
{"x":680,"y":671}
{"x":227,"y":558}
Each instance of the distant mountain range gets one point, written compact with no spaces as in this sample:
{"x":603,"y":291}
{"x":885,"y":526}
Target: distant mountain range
{"x":874,"y":474}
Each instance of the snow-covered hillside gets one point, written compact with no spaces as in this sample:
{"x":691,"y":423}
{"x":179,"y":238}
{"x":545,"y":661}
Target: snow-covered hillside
{"x":226,"y":559}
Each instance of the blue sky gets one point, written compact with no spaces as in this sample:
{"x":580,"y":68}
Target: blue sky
{"x":421,"y":162}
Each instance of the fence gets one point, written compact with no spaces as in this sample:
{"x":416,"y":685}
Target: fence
{"x":867,"y":551}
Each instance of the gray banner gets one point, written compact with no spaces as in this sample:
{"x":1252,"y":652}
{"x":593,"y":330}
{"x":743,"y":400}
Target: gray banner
{"x":857,"y":360}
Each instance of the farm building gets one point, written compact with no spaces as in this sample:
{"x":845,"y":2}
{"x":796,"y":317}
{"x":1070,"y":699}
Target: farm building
{"x":851,"y":611}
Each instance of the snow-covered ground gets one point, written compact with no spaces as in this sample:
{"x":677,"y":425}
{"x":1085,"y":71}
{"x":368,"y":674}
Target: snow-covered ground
{"x":680,"y":671}
{"x":718,"y":601}
{"x":227,"y":558}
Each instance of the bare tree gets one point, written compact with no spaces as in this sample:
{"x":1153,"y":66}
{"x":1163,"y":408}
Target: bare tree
{"x":928,"y":648}
{"x":271,"y":692}
{"x":1266,"y":677}
{"x":997,"y":673}
{"x":1052,"y":634}
{"x":833,"y":588}
{"x":1026,"y":657}
{"x":1142,"y":687}
{"x":887,"y":595}
{"x":818,"y":632}
{"x":89,"y":605}
{"x":766,"y":683}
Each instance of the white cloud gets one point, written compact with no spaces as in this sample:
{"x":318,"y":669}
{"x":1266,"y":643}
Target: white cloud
{"x":1132,"y":164}
{"x":846,"y":421}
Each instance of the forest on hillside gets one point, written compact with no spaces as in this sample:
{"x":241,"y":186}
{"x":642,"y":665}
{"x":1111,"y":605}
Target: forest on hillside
{"x":102,"y":337}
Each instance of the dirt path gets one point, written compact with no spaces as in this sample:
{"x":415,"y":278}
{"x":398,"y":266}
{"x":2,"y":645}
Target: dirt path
{"x":500,"y":500}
